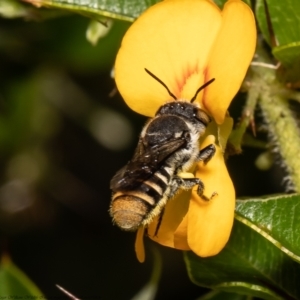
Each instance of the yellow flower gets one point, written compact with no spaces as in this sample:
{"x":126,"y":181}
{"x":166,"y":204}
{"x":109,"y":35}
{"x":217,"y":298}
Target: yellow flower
{"x":191,"y":223}
{"x":185,"y":43}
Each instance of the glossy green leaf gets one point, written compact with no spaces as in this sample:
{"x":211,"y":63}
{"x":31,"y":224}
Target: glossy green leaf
{"x":249,"y":265}
{"x":284,"y":18}
{"x":18,"y":9}
{"x":276,"y":218}
{"x":263,"y":254}
{"x":127,"y":10}
{"x":261,"y":16}
{"x":285,"y":23}
{"x":14,"y":283}
{"x":220,"y":295}
{"x":288,"y":53}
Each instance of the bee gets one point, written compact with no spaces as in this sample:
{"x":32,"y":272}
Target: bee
{"x":168,"y":145}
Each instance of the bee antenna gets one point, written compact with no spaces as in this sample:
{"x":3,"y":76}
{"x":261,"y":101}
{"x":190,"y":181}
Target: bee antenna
{"x":201,"y":88}
{"x":161,"y":82}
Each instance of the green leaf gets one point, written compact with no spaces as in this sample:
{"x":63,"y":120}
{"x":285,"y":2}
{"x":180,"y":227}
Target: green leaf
{"x":249,"y":264}
{"x":14,"y":283}
{"x":261,"y":17}
{"x":219,"y":295}
{"x":285,"y":22}
{"x":288,"y":54}
{"x":290,"y":74}
{"x":277,"y":218}
{"x":127,"y":10}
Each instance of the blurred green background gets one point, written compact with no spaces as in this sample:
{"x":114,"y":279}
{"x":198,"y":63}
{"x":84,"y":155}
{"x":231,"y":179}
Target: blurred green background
{"x":64,"y":132}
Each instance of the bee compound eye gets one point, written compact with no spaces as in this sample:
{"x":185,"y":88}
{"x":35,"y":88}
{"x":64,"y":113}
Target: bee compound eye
{"x":203,"y":117}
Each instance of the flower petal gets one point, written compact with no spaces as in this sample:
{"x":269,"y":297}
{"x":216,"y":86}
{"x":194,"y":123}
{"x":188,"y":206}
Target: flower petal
{"x":180,"y":236}
{"x":173,"y":40}
{"x":173,"y":214}
{"x":139,"y":245}
{"x":210,"y":222}
{"x":224,"y":131}
{"x":230,"y":57}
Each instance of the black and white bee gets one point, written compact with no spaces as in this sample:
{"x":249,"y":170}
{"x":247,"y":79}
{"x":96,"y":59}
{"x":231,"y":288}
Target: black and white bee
{"x":168,"y":146}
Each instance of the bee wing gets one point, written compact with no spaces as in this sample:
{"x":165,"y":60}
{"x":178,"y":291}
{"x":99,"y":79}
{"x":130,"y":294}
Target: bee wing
{"x":145,"y":162}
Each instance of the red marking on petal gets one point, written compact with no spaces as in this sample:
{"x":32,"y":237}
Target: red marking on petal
{"x":188,"y":72}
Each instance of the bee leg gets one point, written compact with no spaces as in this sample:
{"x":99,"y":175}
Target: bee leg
{"x":188,"y":183}
{"x":178,"y":182}
{"x":207,"y":153}
{"x":183,"y":183}
{"x":159,"y":221}
{"x":200,"y":192}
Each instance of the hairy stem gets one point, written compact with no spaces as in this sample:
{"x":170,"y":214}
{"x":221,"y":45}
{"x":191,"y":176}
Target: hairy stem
{"x":282,"y":126}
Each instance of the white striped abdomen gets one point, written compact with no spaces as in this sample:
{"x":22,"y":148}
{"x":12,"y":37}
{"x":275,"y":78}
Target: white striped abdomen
{"x":132,"y":208}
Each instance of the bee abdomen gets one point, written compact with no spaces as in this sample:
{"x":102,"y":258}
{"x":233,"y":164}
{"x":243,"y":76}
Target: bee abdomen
{"x":129,"y":211}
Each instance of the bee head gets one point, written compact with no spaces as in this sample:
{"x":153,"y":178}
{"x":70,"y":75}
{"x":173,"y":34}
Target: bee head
{"x":183,"y":108}
{"x":171,"y":94}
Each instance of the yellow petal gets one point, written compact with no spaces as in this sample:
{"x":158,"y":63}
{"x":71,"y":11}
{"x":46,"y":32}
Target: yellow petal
{"x":224,"y":131}
{"x":173,"y":228}
{"x":221,"y":132}
{"x":174,"y":212}
{"x":230,"y":57}
{"x":180,"y":236}
{"x":139,"y":245}
{"x":210,"y":222}
{"x":173,"y":40}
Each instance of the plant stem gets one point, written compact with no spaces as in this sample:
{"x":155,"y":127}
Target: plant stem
{"x":238,"y":134}
{"x":282,"y":126}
